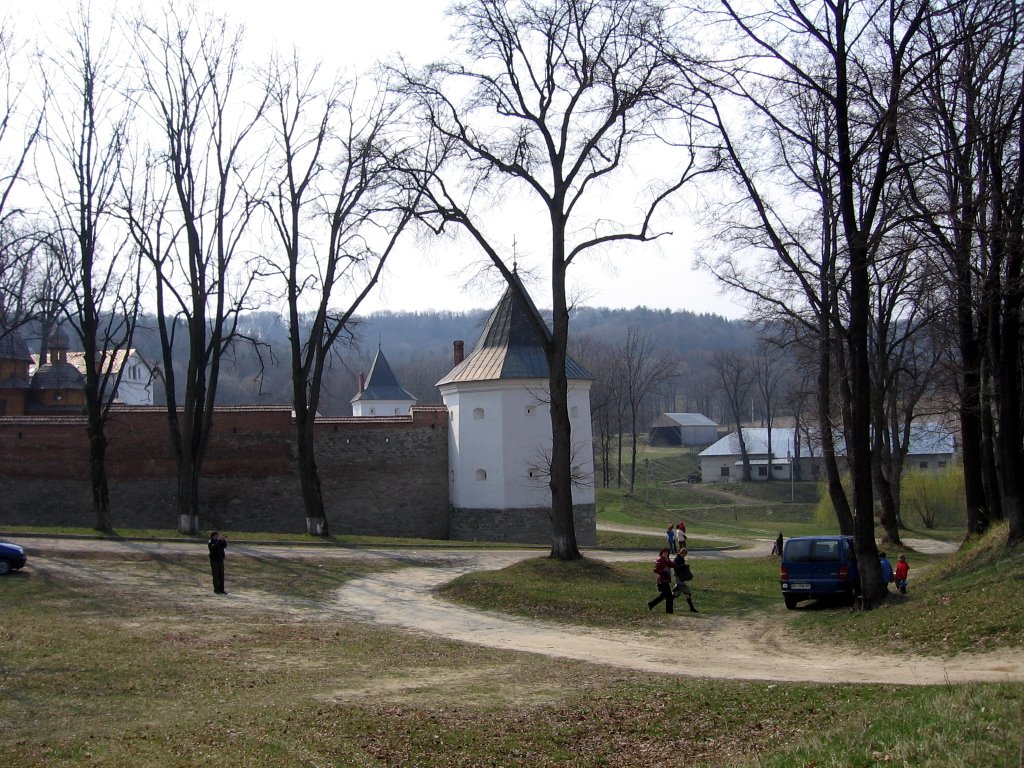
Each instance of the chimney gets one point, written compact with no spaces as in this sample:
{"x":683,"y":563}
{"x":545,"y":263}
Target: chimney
{"x":362,"y":382}
{"x":460,"y":351}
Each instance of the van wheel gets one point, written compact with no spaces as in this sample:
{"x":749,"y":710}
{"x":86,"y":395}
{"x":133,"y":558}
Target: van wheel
{"x":5,"y":566}
{"x":791,"y":601}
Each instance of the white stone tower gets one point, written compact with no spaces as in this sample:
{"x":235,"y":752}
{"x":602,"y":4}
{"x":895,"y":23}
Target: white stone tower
{"x":500,"y":434}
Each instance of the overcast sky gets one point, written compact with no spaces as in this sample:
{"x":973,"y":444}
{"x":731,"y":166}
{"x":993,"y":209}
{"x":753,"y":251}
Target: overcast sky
{"x":433,"y":275}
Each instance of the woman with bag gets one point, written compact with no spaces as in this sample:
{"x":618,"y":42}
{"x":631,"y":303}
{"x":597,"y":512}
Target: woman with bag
{"x":683,"y":575}
{"x":663,"y":568}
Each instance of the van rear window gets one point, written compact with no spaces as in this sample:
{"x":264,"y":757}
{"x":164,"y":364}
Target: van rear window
{"x":811,"y":550}
{"x":798,"y":551}
{"x":826,"y":550}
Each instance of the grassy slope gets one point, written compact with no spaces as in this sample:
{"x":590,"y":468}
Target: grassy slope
{"x":99,"y":676}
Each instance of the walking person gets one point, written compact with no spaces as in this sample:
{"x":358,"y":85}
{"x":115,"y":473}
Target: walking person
{"x":777,"y":546}
{"x":901,"y":574}
{"x":683,"y":575}
{"x":663,"y":569}
{"x":217,"y":544}
{"x":680,"y":536}
{"x":670,"y":535}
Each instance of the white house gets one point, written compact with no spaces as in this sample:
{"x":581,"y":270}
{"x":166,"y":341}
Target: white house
{"x":138,"y":377}
{"x":379,"y":393}
{"x":931,"y":446}
{"x":500,"y":433}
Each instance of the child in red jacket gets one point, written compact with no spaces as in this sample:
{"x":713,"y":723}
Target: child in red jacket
{"x":902,"y":571}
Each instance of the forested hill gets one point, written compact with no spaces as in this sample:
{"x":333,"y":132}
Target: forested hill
{"x":418,"y":345}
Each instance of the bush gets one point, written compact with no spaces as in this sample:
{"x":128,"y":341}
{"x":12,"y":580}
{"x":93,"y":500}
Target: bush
{"x":825,"y":513}
{"x":936,"y":498}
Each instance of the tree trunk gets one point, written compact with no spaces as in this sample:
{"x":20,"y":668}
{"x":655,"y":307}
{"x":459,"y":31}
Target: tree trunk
{"x":1011,"y":439}
{"x":881,"y":461}
{"x":833,"y":476}
{"x":990,"y":459}
{"x":563,"y":522}
{"x":887,"y":516}
{"x":188,"y":493}
{"x":744,"y":456}
{"x":98,"y":474}
{"x":309,"y":476}
{"x":632,"y":453}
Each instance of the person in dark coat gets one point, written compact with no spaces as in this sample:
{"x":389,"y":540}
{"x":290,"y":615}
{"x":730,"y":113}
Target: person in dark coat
{"x":217,"y":545}
{"x":777,"y":547}
{"x":663,"y":568}
{"x":683,"y":575}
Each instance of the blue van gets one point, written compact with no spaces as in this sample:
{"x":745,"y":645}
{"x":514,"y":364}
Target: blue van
{"x":819,"y":566}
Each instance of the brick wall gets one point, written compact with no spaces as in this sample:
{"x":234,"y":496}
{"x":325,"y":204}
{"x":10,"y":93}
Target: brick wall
{"x":379,"y":476}
{"x":384,"y":476}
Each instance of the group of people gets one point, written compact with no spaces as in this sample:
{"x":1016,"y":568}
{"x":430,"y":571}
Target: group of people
{"x":676,"y":535}
{"x":665,"y":568}
{"x":897,"y":575}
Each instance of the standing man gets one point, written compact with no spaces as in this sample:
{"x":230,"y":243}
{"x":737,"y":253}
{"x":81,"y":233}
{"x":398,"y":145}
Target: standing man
{"x":217,"y":545}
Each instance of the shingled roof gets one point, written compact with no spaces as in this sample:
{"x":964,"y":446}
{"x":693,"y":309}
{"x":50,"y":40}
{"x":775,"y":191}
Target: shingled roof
{"x":381,"y":383}
{"x":509,"y":347}
{"x":13,"y":347}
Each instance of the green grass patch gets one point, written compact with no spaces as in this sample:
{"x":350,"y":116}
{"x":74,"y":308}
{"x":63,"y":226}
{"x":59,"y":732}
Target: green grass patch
{"x":712,"y":518}
{"x":604,"y":594}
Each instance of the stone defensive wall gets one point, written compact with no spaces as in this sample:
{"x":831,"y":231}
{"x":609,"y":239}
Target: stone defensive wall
{"x":379,"y":475}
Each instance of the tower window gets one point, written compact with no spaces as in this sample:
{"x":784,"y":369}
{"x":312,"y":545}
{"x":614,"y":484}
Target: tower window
{"x":481,"y":474}
{"x":478,"y":413}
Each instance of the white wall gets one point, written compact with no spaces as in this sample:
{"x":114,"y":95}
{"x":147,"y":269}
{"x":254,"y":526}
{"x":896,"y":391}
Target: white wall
{"x":500,"y":432}
{"x":381,"y":407}
{"x":135,"y":387}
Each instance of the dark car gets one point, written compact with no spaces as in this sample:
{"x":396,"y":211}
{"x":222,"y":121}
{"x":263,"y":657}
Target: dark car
{"x":12,"y":557}
{"x":819,"y":567}
{"x":693,"y":478}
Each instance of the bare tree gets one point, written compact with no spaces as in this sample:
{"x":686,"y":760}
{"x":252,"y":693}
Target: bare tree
{"x":190,"y":68}
{"x":84,"y":150}
{"x":856,"y":65}
{"x":770,"y":371}
{"x":604,"y":362}
{"x":735,"y":382}
{"x":19,"y":130}
{"x":645,"y":370}
{"x":334,"y":190}
{"x":965,"y":179}
{"x":551,"y":102}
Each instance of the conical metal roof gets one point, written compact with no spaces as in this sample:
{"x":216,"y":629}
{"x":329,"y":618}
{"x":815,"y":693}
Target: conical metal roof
{"x":381,"y":383}
{"x":509,"y":347}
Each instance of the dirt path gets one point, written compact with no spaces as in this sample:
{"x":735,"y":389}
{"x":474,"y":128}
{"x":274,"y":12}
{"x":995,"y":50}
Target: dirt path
{"x":714,"y":647}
